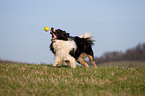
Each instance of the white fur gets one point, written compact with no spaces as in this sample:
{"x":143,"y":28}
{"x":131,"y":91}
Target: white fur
{"x":62,"y":49}
{"x":87,"y":35}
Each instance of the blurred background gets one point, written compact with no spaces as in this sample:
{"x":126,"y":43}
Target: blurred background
{"x":117,"y":26}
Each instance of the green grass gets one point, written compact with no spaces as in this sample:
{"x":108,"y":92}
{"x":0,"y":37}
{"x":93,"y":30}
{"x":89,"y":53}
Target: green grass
{"x":46,"y":80}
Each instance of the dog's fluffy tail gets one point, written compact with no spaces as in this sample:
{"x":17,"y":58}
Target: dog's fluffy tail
{"x":88,"y":37}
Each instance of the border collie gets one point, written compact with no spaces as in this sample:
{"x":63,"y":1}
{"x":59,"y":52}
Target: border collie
{"x":69,"y":50}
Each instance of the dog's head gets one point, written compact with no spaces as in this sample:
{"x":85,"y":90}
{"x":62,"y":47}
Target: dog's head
{"x":59,"y":34}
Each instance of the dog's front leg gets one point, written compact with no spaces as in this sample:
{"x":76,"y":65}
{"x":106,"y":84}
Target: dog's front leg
{"x":57,"y":61}
{"x":73,"y":63}
{"x":55,"y":64}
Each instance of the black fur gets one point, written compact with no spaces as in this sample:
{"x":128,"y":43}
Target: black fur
{"x":83,"y":44}
{"x":51,"y":48}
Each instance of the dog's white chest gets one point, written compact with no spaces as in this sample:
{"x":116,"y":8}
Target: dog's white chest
{"x":63,"y":47}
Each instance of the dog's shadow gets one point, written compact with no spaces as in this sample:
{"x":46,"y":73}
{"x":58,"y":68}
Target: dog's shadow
{"x":63,"y":66}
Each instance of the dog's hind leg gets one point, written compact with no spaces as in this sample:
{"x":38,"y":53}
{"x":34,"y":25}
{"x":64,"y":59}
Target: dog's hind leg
{"x":92,"y":60}
{"x":82,"y":61}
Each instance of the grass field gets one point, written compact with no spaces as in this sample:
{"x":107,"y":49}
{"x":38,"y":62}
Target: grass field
{"x":46,"y":80}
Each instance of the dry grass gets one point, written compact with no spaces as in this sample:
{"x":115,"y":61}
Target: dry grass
{"x":125,"y":64}
{"x":45,"y":80}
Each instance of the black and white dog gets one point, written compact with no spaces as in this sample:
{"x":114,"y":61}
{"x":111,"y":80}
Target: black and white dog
{"x":69,"y":49}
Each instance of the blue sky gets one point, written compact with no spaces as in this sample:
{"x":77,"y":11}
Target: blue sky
{"x":116,"y":25}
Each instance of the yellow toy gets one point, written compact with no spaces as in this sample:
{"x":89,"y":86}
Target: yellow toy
{"x":46,"y":28}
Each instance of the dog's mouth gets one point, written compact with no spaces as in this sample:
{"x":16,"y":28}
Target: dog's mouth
{"x":52,"y":32}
